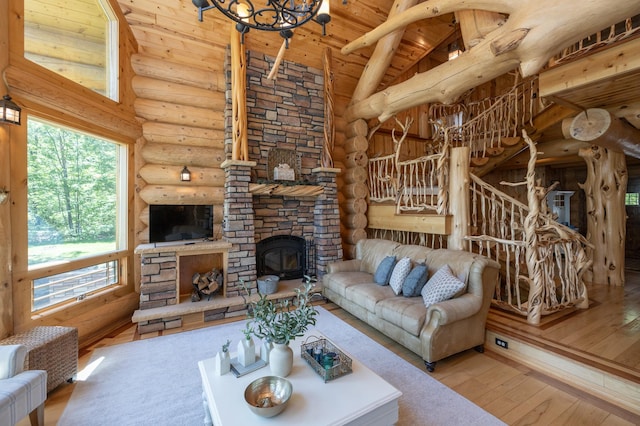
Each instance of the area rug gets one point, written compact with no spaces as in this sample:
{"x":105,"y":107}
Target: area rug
{"x":156,"y":381}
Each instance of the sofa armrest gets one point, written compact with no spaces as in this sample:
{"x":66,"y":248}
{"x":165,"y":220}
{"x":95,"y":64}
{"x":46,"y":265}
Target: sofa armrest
{"x":344,"y":266}
{"x":11,"y":360}
{"x":453,"y":310}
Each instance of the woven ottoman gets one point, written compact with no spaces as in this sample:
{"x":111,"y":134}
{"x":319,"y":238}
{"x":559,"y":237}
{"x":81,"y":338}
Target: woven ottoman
{"x":50,"y":348}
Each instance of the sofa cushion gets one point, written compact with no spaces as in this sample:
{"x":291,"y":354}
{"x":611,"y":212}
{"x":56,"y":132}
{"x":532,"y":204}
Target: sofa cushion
{"x":459,"y":262}
{"x":417,"y":278}
{"x":407,"y":313}
{"x":384,"y":270}
{"x":400,"y":272}
{"x":368,"y":295}
{"x":443,"y":285}
{"x":372,"y":251}
{"x":417,"y":253}
{"x":340,"y":281}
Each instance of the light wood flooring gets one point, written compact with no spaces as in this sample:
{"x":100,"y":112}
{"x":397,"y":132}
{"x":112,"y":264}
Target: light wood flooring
{"x":517,"y":395}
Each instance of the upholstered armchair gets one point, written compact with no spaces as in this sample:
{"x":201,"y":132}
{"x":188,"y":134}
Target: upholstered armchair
{"x":21,"y":392}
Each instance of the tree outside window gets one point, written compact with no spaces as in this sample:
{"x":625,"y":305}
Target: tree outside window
{"x":73,"y":181}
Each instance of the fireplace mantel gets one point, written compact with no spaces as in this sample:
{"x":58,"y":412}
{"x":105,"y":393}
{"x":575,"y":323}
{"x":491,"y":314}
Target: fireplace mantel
{"x":187,"y":247}
{"x":277,"y":189}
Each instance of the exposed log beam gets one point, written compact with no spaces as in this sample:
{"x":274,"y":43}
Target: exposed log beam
{"x":600,"y":127}
{"x":476,"y":24}
{"x":527,"y":40}
{"x":422,"y":11}
{"x":373,"y":72}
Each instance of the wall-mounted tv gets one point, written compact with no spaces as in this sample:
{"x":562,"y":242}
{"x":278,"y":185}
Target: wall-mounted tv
{"x":180,"y":222}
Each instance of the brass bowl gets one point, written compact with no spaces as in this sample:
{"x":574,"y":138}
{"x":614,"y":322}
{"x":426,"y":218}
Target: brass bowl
{"x":268,"y":396}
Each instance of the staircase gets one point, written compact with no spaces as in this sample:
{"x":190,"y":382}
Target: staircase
{"x":539,"y":277}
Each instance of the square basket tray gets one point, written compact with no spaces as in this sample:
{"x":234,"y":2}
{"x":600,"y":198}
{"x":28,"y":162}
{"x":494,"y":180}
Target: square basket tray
{"x":341,"y":362}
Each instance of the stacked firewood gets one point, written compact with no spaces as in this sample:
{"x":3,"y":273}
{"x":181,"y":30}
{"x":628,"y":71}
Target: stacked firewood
{"x":206,"y":284}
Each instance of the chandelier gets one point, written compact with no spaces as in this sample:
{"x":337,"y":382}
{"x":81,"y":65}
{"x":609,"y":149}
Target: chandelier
{"x":269,"y":15}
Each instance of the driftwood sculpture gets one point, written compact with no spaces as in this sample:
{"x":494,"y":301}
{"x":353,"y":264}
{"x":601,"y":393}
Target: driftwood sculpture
{"x":527,"y":39}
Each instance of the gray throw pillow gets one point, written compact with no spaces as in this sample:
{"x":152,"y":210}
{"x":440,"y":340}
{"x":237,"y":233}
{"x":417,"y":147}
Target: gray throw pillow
{"x":442,"y":286}
{"x":384,"y":270}
{"x":414,"y":282}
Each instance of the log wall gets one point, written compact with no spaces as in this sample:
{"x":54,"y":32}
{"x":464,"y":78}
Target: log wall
{"x":44,"y":94}
{"x":183,"y":126}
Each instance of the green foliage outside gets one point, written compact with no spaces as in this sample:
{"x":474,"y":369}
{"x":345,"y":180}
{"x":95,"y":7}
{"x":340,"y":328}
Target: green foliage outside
{"x":72,"y":182}
{"x":52,"y":253}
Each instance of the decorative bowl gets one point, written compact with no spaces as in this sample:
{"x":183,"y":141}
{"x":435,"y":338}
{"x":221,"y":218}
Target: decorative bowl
{"x":268,"y":396}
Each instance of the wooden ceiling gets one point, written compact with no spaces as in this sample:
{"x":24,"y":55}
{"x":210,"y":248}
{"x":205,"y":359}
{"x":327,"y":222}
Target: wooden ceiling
{"x":170,"y":30}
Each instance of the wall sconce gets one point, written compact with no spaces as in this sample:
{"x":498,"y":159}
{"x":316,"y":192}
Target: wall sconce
{"x":185,"y":175}
{"x":9,"y":111}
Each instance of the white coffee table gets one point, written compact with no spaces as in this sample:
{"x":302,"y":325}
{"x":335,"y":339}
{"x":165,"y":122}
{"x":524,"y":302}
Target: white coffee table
{"x":359,"y":398}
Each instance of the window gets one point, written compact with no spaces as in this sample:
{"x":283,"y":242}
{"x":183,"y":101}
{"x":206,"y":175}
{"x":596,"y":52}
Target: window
{"x":76,"y":211}
{"x":76,"y":39}
{"x":632,"y":199}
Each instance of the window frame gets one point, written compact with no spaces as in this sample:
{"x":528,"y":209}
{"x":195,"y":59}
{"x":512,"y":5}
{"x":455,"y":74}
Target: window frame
{"x":123,"y":243}
{"x":53,"y":97}
{"x":111,"y":47}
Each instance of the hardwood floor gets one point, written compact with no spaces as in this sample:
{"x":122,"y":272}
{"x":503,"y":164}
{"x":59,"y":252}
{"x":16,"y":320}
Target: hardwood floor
{"x":608,"y":333}
{"x":516,"y":394}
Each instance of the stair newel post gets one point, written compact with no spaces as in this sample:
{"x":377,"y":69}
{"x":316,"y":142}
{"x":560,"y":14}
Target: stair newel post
{"x":459,"y":183}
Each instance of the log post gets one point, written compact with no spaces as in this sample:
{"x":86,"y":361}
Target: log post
{"x":459,"y":198}
{"x":240,"y":144}
{"x":605,"y":189}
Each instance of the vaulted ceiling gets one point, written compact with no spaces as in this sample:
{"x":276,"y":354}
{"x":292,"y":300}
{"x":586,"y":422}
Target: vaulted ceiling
{"x":169,"y":29}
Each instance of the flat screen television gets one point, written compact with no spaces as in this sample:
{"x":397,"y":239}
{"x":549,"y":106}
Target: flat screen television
{"x":179,"y":222}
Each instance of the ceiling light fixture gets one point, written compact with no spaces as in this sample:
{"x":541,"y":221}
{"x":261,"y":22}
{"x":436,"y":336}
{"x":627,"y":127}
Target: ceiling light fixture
{"x":269,"y":15}
{"x":9,"y":111}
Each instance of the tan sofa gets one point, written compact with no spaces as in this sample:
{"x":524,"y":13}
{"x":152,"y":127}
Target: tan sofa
{"x":445,"y":328}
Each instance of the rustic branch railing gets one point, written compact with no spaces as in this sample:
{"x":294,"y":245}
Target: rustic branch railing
{"x":415,"y":185}
{"x":488,"y":125}
{"x":383,"y":179}
{"x":543,"y":261}
{"x":608,"y":36}
{"x":419,"y":184}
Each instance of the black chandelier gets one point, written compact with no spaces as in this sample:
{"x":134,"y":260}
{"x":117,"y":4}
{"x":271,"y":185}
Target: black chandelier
{"x":269,"y":15}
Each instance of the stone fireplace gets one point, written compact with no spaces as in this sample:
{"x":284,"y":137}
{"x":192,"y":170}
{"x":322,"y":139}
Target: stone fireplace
{"x":285,"y":114}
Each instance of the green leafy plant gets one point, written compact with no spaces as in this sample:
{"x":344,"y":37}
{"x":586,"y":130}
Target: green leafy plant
{"x":282,"y":321}
{"x":248,"y":331}
{"x":225,"y":347}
